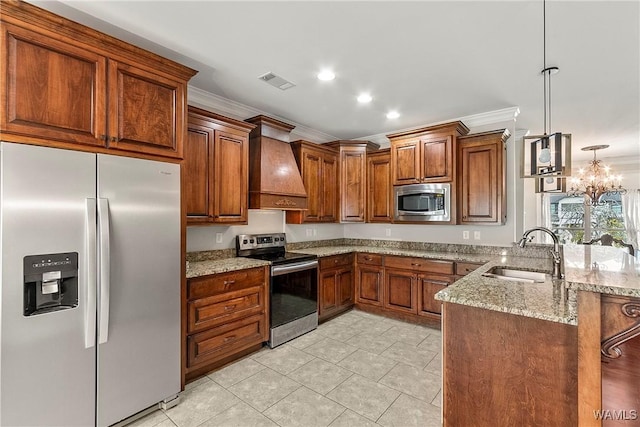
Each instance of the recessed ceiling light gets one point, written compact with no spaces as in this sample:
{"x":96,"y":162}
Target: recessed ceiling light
{"x":363,"y":98}
{"x":326,"y":75}
{"x":393,"y":115}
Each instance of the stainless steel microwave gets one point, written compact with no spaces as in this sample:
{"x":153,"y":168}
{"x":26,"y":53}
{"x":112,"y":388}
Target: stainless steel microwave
{"x":422,"y":202}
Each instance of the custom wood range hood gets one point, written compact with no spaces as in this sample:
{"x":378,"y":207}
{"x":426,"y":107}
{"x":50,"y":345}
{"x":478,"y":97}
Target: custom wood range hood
{"x":274,"y":177}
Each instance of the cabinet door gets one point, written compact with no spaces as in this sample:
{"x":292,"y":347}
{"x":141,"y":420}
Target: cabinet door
{"x":329,"y":203}
{"x":480,"y":187}
{"x":344,"y":289}
{"x":379,"y":201}
{"x":52,"y":90}
{"x":429,"y":286}
{"x":353,"y":180}
{"x":312,"y":179}
{"x":405,"y":162}
{"x":328,"y":298}
{"x":197,"y":172}
{"x":231,"y":175}
{"x":146,"y":111}
{"x":437,"y":159}
{"x":400,"y":291}
{"x":370,"y":285}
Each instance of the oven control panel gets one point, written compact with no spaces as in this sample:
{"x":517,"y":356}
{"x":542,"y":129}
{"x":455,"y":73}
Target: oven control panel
{"x":260,"y":241}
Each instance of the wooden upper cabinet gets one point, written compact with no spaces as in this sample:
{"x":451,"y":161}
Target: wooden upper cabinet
{"x":52,"y":90}
{"x":215,"y":169}
{"x":66,"y":85}
{"x":197,"y":170}
{"x":144,"y":113}
{"x":380,"y":190}
{"x":319,"y":170}
{"x":437,"y":159}
{"x":352,"y":182}
{"x":482,"y":178}
{"x":426,"y":154}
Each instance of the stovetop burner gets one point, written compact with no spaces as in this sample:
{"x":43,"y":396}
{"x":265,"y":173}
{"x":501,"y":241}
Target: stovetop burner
{"x":268,"y":247}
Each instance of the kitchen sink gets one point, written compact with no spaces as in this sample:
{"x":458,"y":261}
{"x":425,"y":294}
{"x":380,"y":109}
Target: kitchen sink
{"x":516,"y":275}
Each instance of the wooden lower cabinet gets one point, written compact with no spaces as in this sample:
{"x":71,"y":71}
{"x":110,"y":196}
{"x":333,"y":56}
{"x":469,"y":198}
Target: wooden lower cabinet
{"x":620,"y":339}
{"x":501,"y":369}
{"x":226,"y":314}
{"x":369,"y":279}
{"x":428,"y":287}
{"x":336,"y":285}
{"x":400,"y":291}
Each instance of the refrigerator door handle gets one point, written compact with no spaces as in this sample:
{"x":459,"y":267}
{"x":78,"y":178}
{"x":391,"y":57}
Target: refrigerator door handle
{"x":104,"y":234}
{"x":90,"y":276}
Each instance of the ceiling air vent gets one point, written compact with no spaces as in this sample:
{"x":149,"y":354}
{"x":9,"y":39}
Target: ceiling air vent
{"x":276,"y":81}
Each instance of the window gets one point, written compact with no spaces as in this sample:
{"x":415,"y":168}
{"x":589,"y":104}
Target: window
{"x":571,"y":219}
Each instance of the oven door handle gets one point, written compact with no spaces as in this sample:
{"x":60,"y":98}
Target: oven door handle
{"x":278,"y":270}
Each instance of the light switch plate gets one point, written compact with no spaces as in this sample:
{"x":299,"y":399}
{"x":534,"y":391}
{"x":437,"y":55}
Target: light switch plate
{"x":476,"y":235}
{"x":465,"y":234}
{"x":218,"y":237}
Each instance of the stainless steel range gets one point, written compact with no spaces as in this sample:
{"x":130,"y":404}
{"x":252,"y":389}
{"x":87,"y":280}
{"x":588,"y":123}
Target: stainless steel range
{"x":294,"y":285}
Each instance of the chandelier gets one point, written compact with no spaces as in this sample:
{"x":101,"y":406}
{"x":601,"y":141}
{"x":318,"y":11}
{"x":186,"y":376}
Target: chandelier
{"x":595,"y":180}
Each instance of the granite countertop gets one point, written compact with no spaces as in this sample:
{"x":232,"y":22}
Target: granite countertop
{"x":587,"y":268}
{"x":204,"y":268}
{"x":600,"y":269}
{"x":324,"y":251}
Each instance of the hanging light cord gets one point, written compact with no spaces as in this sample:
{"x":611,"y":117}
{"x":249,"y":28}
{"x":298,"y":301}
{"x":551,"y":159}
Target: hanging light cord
{"x":544,"y":63}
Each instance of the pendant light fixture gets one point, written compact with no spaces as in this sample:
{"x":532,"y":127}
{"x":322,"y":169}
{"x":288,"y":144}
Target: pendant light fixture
{"x":547,"y":156}
{"x":596,"y":180}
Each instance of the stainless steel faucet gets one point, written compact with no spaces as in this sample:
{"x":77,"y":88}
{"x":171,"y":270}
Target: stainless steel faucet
{"x":556,"y":252}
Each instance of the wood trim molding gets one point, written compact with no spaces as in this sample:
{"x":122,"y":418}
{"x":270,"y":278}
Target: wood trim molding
{"x":610,"y":347}
{"x":589,"y":363}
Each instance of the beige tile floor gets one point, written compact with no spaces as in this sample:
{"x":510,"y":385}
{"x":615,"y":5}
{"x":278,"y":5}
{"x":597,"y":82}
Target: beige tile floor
{"x":357,"y":369}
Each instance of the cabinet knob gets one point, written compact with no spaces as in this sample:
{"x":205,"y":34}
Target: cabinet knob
{"x":415,"y":264}
{"x":229,"y":282}
{"x":229,"y":307}
{"x":229,"y":338}
{"x":114,"y":139}
{"x":103,"y":137}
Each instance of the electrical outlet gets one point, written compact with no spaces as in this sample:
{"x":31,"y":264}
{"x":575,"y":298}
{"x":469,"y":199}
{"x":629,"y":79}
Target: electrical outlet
{"x":387,"y":232}
{"x":309,"y":232}
{"x":465,"y":234}
{"x":476,"y":235}
{"x":218,"y":237}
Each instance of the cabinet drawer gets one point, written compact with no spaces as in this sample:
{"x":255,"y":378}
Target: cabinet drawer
{"x":224,"y":340}
{"x":370,"y":259}
{"x":225,"y":282}
{"x":336,"y":261}
{"x":463,"y":268}
{"x":215,"y":310}
{"x":419,"y":264}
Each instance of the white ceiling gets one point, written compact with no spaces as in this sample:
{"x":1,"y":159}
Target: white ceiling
{"x":430,"y":60}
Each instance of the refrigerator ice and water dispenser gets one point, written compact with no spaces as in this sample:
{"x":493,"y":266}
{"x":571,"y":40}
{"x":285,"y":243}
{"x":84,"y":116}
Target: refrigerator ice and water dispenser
{"x":50,"y":283}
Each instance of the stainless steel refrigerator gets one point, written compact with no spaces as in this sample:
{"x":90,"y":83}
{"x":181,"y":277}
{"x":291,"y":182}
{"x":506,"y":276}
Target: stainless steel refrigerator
{"x":90,"y":302}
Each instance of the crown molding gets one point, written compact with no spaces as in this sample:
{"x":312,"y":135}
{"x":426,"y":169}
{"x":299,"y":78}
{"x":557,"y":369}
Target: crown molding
{"x":472,"y":121}
{"x":237,"y":110}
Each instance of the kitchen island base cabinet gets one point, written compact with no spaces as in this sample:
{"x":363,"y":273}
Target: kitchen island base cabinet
{"x":501,"y":369}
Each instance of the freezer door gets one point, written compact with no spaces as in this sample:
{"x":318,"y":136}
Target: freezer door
{"x":139,"y":354}
{"x":47,"y":373}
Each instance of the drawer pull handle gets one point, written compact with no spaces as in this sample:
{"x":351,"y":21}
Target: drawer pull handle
{"x":229,"y":282}
{"x":415,"y":264}
{"x":367,"y":258}
{"x":229,"y":307}
{"x":229,"y":338}
{"x":335,"y":261}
